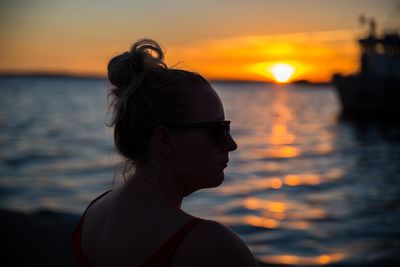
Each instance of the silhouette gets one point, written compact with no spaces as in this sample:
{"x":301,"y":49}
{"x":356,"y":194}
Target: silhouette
{"x":170,"y":127}
{"x":374,"y":91}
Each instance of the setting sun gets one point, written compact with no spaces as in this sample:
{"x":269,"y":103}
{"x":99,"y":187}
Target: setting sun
{"x":282,"y":72}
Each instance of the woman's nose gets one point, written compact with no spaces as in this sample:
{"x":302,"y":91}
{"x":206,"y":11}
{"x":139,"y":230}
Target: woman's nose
{"x":230,"y":144}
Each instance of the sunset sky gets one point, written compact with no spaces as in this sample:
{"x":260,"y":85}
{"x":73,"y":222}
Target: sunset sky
{"x":221,"y":39}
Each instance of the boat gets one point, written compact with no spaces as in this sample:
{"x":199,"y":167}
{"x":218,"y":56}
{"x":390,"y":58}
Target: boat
{"x":373,"y":92}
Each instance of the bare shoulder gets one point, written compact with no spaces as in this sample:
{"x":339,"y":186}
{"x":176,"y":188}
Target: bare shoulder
{"x":212,"y":244}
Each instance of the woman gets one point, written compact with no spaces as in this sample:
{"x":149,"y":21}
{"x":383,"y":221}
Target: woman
{"x":170,"y":125}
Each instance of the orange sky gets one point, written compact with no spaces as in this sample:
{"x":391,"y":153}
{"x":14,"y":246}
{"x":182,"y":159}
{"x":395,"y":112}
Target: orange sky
{"x":220,"y":39}
{"x":248,"y":57}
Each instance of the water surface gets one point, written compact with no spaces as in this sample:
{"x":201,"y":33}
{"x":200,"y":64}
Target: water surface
{"x":302,"y":189}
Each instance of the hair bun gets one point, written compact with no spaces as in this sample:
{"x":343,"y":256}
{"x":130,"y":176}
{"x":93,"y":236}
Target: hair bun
{"x":144,"y":54}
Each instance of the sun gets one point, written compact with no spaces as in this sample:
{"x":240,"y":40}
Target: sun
{"x":282,"y":72}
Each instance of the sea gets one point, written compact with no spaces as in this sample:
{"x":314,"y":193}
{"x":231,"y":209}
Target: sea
{"x":304,"y":188}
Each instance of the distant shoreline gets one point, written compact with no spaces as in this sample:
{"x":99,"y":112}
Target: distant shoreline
{"x":100,"y":77}
{"x":52,"y":75}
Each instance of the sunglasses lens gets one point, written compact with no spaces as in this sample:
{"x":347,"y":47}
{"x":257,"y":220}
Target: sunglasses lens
{"x":219,"y":130}
{"x":222,"y":133}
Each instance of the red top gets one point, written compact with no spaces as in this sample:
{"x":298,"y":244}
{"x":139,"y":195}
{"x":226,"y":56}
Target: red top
{"x":160,"y":258}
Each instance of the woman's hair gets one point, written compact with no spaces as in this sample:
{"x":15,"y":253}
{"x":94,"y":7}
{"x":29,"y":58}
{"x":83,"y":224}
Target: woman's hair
{"x":145,"y":94}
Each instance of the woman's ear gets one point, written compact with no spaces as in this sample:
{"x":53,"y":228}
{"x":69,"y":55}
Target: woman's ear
{"x":162,"y":140}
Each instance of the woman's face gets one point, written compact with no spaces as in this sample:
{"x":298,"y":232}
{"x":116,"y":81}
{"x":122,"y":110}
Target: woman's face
{"x":198,"y":158}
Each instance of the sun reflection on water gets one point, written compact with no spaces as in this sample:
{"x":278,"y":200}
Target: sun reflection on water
{"x":302,"y":179}
{"x":261,"y":222}
{"x":254,"y":203}
{"x":256,"y":183}
{"x":280,"y":135}
{"x":303,"y":260}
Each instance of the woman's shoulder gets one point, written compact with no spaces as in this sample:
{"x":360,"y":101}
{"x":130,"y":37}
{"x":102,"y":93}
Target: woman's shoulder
{"x":211,"y":243}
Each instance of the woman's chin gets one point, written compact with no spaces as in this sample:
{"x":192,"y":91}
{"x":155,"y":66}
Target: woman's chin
{"x":211,"y":180}
{"x":218,"y":180}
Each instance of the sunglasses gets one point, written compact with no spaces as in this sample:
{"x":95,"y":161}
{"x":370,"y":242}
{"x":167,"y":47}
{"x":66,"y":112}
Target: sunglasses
{"x":219,"y":129}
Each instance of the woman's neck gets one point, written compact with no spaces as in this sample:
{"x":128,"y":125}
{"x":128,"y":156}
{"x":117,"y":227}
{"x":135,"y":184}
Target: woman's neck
{"x":160,"y":182}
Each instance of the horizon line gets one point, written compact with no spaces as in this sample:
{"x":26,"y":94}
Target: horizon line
{"x":100,"y":77}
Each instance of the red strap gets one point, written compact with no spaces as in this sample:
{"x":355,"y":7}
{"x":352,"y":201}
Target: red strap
{"x":163,"y":255}
{"x":79,"y":258}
